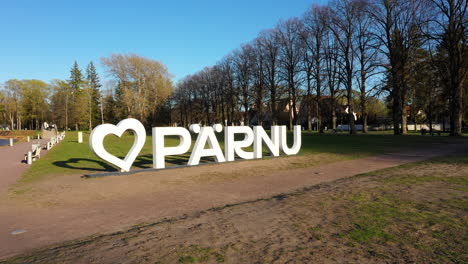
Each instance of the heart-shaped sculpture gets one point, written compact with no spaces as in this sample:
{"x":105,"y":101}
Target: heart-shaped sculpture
{"x":96,"y":141}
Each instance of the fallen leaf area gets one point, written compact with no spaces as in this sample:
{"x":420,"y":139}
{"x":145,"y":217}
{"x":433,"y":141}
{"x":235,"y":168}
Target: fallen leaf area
{"x":414,"y":213}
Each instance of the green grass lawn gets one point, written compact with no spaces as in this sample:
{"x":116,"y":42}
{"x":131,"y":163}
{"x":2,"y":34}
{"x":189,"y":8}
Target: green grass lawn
{"x":70,"y":157}
{"x":421,"y":207}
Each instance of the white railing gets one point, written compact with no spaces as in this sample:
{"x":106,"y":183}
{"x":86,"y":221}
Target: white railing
{"x":35,"y":153}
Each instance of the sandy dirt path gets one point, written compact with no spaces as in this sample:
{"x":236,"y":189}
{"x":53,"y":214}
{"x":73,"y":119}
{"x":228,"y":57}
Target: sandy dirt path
{"x":60,"y":223}
{"x":12,"y":162}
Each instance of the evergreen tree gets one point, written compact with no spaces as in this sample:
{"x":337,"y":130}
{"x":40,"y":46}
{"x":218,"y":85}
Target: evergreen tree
{"x":109,"y":107}
{"x":76,"y":98}
{"x":94,"y":96}
{"x":76,"y":78}
{"x":119,"y":99}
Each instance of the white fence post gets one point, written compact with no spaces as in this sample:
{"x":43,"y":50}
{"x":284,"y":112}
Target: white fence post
{"x":80,"y":137}
{"x":29,"y":161}
{"x":11,"y":142}
{"x":27,"y":138}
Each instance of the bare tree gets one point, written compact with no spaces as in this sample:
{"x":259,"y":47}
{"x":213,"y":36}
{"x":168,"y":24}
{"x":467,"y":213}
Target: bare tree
{"x":313,"y":37}
{"x":332,"y":69}
{"x":366,"y":55}
{"x":144,"y":84}
{"x":450,"y":31}
{"x":397,"y":30}
{"x":269,"y":42}
{"x":346,"y":44}
{"x":259,"y":79}
{"x":243,"y":61}
{"x":230,"y":94}
{"x":343,"y":25}
{"x":291,"y":54}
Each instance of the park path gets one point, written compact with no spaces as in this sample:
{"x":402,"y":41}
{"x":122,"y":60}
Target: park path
{"x":12,"y":162}
{"x":45,"y":226}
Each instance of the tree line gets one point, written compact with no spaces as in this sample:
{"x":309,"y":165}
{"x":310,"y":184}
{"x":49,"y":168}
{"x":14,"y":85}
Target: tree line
{"x":141,"y":87}
{"x":348,"y":62}
{"x":337,"y":59}
{"x":71,"y":104}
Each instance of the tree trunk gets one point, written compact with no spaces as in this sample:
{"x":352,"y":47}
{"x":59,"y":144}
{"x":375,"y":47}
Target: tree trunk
{"x":317,"y":110}
{"x":364,"y":113}
{"x":396,"y":111}
{"x":66,"y":113}
{"x":352,"y":126}
{"x":404,"y":115}
{"x":90,"y":117}
{"x":309,"y":106}
{"x":429,"y":118}
{"x":319,"y":95}
{"x":404,"y":123}
{"x":12,"y":122}
{"x":333,"y":110}
{"x":223,"y":117}
{"x":274,"y":114}
{"x":443,"y":123}
{"x":102,"y":113}
{"x":363,"y":102}
{"x":456,"y":108}
{"x":246,"y":114}
{"x":364,"y":124}
{"x":294,"y":108}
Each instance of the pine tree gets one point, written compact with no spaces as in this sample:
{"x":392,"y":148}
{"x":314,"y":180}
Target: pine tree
{"x":95,"y":114}
{"x":76,"y":97}
{"x":76,"y":78}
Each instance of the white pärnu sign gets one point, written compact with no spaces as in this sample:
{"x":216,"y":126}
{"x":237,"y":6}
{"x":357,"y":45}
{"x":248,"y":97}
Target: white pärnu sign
{"x":257,"y":136}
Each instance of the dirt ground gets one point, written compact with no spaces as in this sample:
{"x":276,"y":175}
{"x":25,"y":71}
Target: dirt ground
{"x":65,"y":208}
{"x":410,"y":214}
{"x":71,"y":190}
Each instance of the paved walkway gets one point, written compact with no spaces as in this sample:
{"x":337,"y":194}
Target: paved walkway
{"x":12,"y":162}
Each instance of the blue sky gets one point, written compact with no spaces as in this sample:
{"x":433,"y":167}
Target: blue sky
{"x":42,"y":39}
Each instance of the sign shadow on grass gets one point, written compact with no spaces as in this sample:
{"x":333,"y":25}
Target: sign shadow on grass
{"x":69,"y":164}
{"x":143,"y":162}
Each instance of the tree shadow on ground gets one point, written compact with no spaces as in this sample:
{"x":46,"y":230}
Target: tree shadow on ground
{"x":69,"y":165}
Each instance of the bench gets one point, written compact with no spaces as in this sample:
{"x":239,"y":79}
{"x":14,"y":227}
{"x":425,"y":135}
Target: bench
{"x":50,"y":144}
{"x":35,"y":153}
